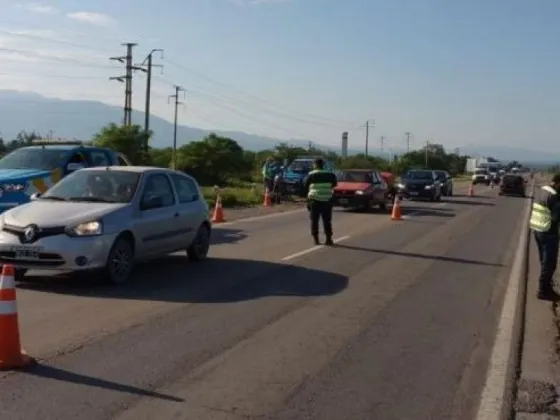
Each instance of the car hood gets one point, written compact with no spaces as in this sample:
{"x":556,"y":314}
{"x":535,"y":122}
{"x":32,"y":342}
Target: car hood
{"x":46,"y":213}
{"x":351,"y":186}
{"x":18,"y":175}
{"x":417,"y":181}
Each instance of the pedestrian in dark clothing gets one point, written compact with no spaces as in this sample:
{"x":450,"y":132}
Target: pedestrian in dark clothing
{"x":319,"y":187}
{"x":545,"y":217}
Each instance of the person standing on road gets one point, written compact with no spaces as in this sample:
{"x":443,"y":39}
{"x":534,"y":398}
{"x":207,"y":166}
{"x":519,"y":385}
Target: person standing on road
{"x":268,"y":173}
{"x":319,"y":187}
{"x":545,"y":217}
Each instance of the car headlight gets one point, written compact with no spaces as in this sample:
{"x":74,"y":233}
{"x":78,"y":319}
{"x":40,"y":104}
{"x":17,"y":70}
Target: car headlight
{"x":13,"y":187}
{"x":401,"y":186}
{"x":359,"y":192}
{"x":92,"y":228}
{"x":428,"y":187}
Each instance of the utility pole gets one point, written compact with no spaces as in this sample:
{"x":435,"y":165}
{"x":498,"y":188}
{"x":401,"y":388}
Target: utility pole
{"x":407,"y":134}
{"x":146,"y":66}
{"x":127,"y":80}
{"x":426,"y":153}
{"x":382,"y":140}
{"x":368,"y":124}
{"x":176,"y":103}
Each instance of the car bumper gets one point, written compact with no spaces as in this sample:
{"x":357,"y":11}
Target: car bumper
{"x":352,"y":201}
{"x":420,"y":194}
{"x":61,"y":252}
{"x":512,"y":191}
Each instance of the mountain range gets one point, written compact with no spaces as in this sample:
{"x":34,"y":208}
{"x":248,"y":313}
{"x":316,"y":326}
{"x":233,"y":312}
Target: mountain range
{"x":81,"y":119}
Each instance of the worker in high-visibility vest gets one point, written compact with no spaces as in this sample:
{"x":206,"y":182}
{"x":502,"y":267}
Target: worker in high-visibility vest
{"x":319,"y":186}
{"x":545,"y":217}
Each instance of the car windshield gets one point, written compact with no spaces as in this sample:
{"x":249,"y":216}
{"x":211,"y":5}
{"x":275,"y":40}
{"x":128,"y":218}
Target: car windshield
{"x":441,"y":175}
{"x":354,"y":176}
{"x":418,"y":175}
{"x":481,"y":172}
{"x":39,"y":158}
{"x":301,"y":166}
{"x":101,"y":186}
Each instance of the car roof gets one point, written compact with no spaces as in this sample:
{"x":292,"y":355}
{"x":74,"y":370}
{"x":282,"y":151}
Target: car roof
{"x":134,"y":169}
{"x":64,"y":147}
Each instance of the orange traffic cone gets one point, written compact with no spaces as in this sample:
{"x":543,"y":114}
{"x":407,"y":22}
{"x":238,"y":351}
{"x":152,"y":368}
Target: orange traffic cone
{"x":471,"y":191}
{"x":11,"y":354}
{"x":218,"y":216}
{"x":267,"y":198}
{"x":396,"y":214}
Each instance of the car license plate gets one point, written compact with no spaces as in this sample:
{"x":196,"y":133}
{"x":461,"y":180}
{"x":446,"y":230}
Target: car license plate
{"x":343,"y":201}
{"x":26,"y":252}
{"x":413,"y":193}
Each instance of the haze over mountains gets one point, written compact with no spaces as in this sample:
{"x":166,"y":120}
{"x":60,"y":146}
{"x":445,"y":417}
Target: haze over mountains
{"x":81,"y":119}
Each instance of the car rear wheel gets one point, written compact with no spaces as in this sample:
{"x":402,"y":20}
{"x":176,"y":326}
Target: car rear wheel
{"x":20,"y":274}
{"x":120,"y":262}
{"x":198,"y":250}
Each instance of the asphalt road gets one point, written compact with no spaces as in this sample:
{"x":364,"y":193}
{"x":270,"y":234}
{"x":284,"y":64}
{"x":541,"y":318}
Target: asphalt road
{"x":394,"y":322}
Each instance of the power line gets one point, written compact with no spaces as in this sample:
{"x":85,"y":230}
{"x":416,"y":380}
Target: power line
{"x":66,"y":60}
{"x":177,"y":103}
{"x":147,"y":66}
{"x":127,"y":80}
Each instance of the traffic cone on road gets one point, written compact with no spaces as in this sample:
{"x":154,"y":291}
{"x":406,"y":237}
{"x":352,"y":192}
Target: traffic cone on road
{"x":471,"y":191}
{"x":11,"y":354}
{"x":218,"y":216}
{"x":396,"y":214}
{"x":267,"y":198}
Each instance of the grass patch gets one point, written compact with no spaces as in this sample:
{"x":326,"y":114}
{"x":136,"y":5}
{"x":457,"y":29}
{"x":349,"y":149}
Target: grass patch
{"x":235,"y":196}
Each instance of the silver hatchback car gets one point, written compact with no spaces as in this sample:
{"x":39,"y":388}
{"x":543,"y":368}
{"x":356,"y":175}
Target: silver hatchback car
{"x":107,"y":218}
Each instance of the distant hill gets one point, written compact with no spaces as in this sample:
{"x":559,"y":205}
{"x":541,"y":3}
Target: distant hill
{"x":81,"y":119}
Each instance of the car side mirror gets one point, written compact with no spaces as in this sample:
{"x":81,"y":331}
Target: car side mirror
{"x":153,"y":202}
{"x":35,"y":196}
{"x":72,"y":167}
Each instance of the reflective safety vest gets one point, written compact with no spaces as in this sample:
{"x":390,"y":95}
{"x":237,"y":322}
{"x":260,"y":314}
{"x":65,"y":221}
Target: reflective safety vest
{"x":320,"y":191}
{"x":541,"y":216}
{"x":267,"y":170}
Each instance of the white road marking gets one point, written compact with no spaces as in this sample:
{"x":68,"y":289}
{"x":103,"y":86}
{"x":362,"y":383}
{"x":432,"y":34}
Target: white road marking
{"x":494,"y":394}
{"x":314,"y":248}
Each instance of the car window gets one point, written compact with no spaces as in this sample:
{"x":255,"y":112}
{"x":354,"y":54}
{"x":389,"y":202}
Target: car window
{"x":187,"y":191}
{"x":99,"y":158}
{"x":158,"y":185}
{"x":375,"y":178}
{"x":34,"y":158}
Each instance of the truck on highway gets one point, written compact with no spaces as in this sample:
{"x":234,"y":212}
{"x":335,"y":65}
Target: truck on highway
{"x":34,"y":169}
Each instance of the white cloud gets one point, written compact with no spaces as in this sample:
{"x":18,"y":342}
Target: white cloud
{"x":39,"y":8}
{"x":93,"y":18}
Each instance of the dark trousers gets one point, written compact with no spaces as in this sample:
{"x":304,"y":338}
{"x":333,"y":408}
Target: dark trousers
{"x":548,"y":256}
{"x":269,"y":183}
{"x":320,"y":210}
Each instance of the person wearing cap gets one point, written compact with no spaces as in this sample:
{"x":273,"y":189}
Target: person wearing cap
{"x":319,"y":186}
{"x":545,"y":217}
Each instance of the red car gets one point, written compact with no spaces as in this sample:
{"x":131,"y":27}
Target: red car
{"x":361,"y":189}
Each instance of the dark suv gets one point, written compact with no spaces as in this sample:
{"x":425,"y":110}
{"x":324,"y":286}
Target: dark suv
{"x":512,"y":184}
{"x":446,"y":183}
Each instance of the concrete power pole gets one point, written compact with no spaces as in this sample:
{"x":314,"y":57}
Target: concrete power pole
{"x":407,"y":134}
{"x":426,"y":153}
{"x":127,"y":80}
{"x":176,"y":103}
{"x":368,"y":124}
{"x":382,"y":141}
{"x":146,"y":66}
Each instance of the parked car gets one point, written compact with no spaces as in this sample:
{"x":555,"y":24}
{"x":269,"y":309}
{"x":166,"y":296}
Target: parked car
{"x":420,"y":183}
{"x":360,"y":189}
{"x":446,"y":183}
{"x":513,"y":184}
{"x":295,"y":174}
{"x":34,"y":169}
{"x":107,"y":218}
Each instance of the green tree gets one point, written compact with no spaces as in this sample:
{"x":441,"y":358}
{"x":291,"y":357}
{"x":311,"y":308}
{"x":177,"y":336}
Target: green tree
{"x":129,"y":140}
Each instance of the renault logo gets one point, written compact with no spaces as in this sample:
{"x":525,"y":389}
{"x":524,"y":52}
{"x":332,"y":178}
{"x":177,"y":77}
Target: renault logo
{"x":29,"y":233}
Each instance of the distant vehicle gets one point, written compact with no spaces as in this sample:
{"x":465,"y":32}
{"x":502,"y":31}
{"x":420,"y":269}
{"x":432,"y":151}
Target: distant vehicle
{"x":513,"y":184}
{"x":446,"y":183}
{"x":34,"y":169}
{"x":481,"y":176}
{"x":295,"y":174}
{"x":107,"y":218}
{"x":420,"y":183}
{"x":361,"y":189}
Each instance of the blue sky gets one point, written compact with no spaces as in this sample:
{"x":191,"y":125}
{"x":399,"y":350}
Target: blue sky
{"x":456,"y":72}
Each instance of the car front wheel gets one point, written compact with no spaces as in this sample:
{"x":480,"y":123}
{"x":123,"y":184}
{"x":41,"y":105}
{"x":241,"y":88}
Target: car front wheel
{"x":120,"y":261}
{"x":198,"y":250}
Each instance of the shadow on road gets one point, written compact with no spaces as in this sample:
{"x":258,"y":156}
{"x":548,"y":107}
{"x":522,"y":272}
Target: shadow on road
{"x":472,"y":201}
{"x":422,"y":256}
{"x":173,"y":279}
{"x":423,"y":211}
{"x":477,"y":197}
{"x":227,"y":236}
{"x":49,"y":372}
